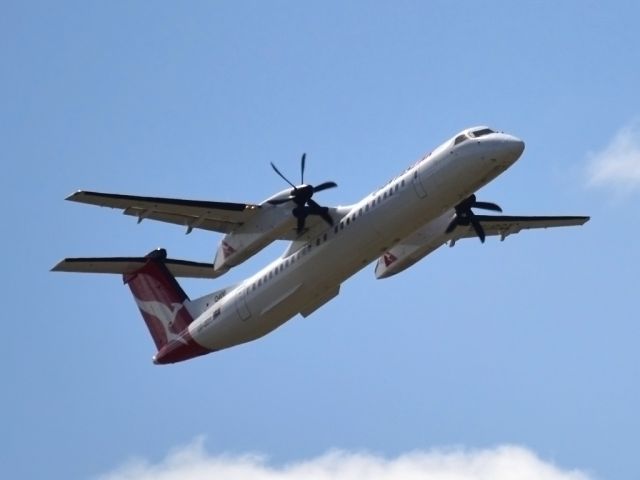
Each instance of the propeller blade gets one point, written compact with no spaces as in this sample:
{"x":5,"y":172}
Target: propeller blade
{"x":281,"y":175}
{"x":452,"y":225}
{"x":477,"y":227}
{"x":301,"y":214}
{"x":322,"y":212}
{"x":301,"y":196}
{"x":324,"y":186}
{"x":466,"y":204}
{"x":465,"y":216}
{"x":326,"y":217}
{"x":487,"y":206}
{"x":314,"y":208}
{"x":300,"y":226}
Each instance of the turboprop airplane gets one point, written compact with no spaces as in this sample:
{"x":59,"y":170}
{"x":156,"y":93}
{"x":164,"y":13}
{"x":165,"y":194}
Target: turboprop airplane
{"x":428,"y":205}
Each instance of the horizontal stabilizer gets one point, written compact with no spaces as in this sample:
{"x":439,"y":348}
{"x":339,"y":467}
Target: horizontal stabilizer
{"x":125,"y":265}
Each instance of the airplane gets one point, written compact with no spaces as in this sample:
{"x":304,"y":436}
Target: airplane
{"x":429,"y":204}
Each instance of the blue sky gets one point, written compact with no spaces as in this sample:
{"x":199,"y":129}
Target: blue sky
{"x":524,"y":351}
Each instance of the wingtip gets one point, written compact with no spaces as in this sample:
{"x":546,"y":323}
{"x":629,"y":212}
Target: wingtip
{"x":58,"y":266}
{"x":74,"y":195}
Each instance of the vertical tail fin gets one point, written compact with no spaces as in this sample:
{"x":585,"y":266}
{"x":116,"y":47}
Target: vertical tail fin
{"x":160,"y":299}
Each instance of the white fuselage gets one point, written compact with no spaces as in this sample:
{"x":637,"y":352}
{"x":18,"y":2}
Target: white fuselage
{"x":307,"y":278}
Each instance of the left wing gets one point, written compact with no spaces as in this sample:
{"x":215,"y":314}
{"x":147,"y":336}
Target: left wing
{"x":433,"y":235}
{"x":505,"y":225}
{"x":215,"y":216}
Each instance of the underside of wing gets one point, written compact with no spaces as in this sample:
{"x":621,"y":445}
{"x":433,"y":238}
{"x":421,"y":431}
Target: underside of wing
{"x":505,"y":225}
{"x":215,"y":216}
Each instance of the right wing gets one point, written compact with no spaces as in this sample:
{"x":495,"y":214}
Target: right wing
{"x":215,"y":216}
{"x":223,"y":217}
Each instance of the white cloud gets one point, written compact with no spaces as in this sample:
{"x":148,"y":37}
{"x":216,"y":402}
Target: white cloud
{"x":192,"y":462}
{"x":618,"y":164}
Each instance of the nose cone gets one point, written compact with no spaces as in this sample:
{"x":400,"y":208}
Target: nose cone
{"x":517,"y":146}
{"x":512,"y":147}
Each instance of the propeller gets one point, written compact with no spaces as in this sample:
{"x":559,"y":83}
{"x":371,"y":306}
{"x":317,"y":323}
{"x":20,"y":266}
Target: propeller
{"x":465,"y":216}
{"x":301,"y":196}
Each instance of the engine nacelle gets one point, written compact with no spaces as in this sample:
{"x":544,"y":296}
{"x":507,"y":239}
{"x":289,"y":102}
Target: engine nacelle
{"x":248,"y":239}
{"x":414,"y":247}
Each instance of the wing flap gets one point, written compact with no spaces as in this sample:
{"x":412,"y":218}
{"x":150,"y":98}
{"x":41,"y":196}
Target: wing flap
{"x":189,"y":221}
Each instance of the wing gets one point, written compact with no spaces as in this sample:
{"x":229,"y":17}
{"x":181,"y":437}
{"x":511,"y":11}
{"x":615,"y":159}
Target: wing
{"x":505,"y":225}
{"x":215,"y":216}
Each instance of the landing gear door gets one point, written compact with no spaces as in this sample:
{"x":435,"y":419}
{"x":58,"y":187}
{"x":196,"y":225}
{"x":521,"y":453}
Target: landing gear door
{"x":241,"y":305}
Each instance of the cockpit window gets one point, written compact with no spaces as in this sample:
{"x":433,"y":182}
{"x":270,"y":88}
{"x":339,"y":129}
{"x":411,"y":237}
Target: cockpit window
{"x":481,"y":132}
{"x":459,"y":139}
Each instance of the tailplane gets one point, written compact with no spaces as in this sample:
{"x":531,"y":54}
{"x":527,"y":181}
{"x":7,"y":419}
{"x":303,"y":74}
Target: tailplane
{"x":165,"y":307}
